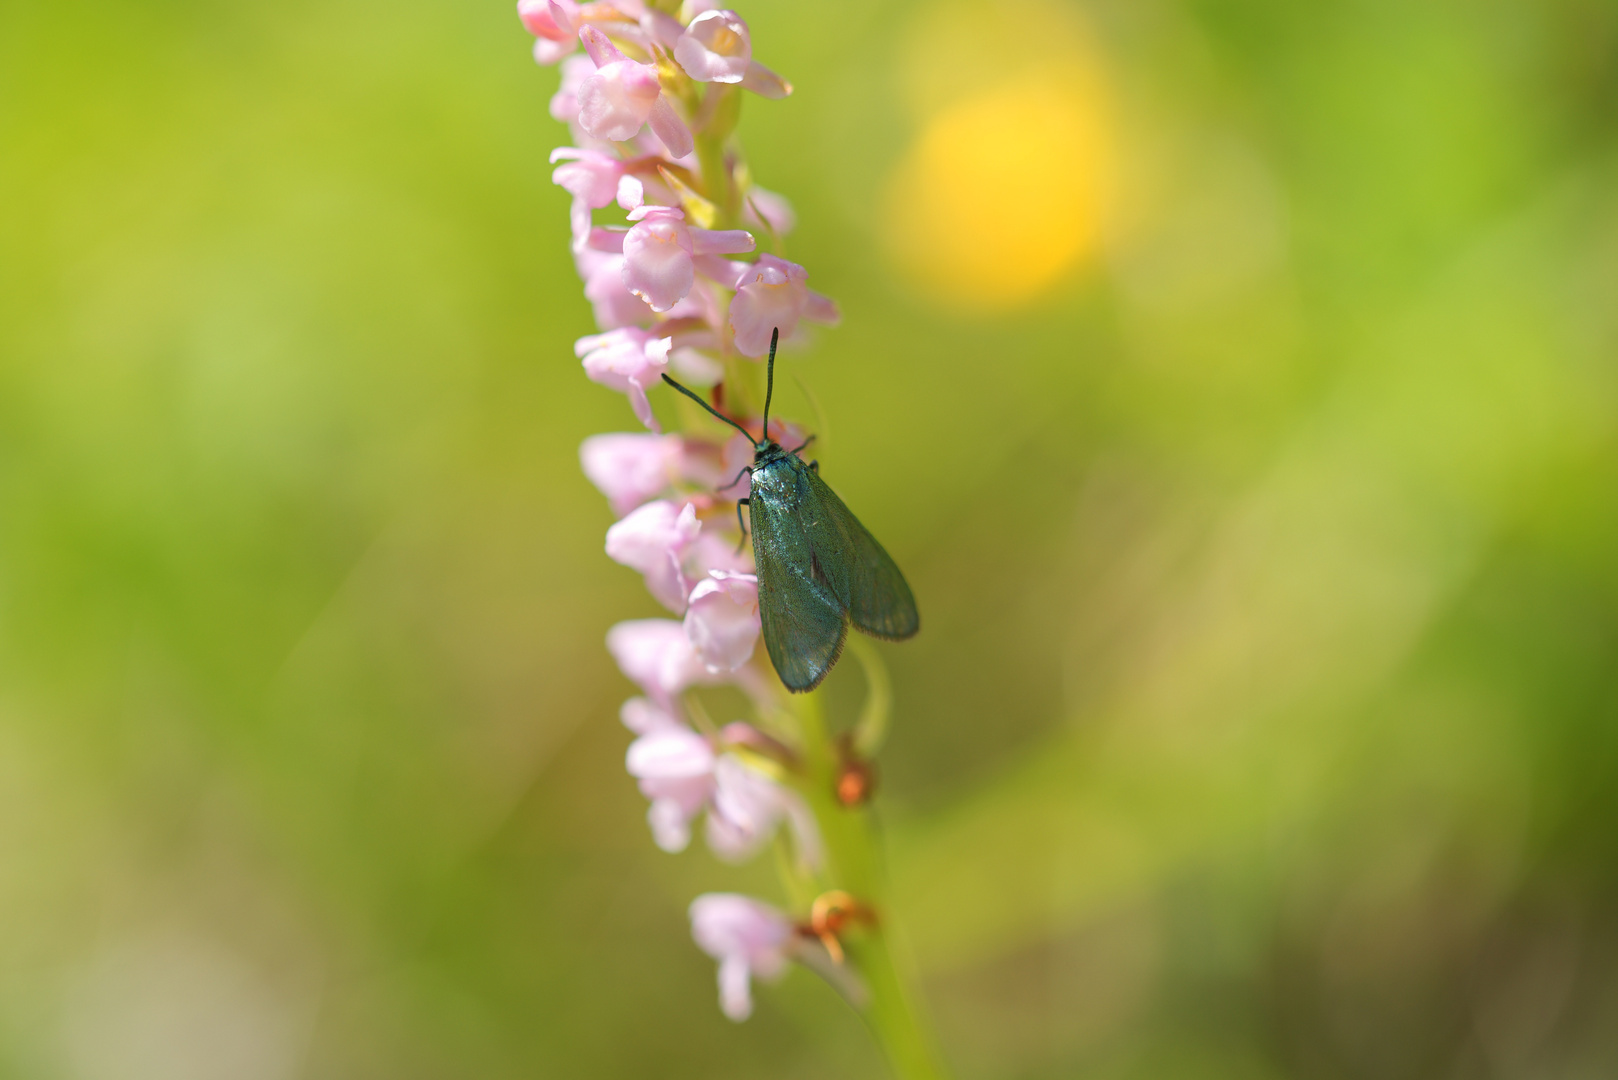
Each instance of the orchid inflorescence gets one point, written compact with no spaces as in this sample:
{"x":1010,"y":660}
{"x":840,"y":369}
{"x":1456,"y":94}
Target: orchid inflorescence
{"x":651,"y":96}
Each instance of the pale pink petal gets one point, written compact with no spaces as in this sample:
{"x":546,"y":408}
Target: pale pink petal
{"x":630,"y":469}
{"x":614,"y":305}
{"x":702,"y":308}
{"x":764,"y":82}
{"x":695,"y":367}
{"x":553,"y":28}
{"x":652,"y":539}
{"x":661,"y":27}
{"x":617,"y":99}
{"x":565,"y":14}
{"x":735,"y":988}
{"x":643,"y":716}
{"x":657,"y":656}
{"x":748,"y":938}
{"x":669,"y":754}
{"x":773,"y":297}
{"x":720,"y":241}
{"x":600,"y":47}
{"x":607,"y":238}
{"x":724,"y":272}
{"x":657,"y":259}
{"x":646,"y":210}
{"x":631,"y":193}
{"x":821,"y":308}
{"x":536,"y":18}
{"x":669,"y":128}
{"x":695,"y":337}
{"x":565,"y":102}
{"x":671,"y":825}
{"x":548,"y":52}
{"x":579,"y":224}
{"x":716,"y":47}
{"x":766,"y":209}
{"x":641,"y":648}
{"x":747,"y":806}
{"x":722,"y":619}
{"x":716,"y":551}
{"x":640,"y":404}
{"x":728,"y":924}
{"x":627,"y":360}
{"x":591,"y":177}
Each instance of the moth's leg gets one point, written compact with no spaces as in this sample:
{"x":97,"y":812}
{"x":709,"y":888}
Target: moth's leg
{"x":747,"y":470}
{"x":742,"y":543}
{"x":814,"y":467}
{"x":801,"y":445}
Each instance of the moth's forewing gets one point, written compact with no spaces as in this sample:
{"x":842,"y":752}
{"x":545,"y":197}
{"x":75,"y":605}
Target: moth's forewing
{"x":802,"y":613}
{"x":867,"y":581}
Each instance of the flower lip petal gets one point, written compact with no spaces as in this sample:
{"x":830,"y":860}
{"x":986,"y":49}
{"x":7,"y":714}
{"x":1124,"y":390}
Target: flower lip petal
{"x":771,"y":296}
{"x":748,"y":937}
{"x":630,"y":469}
{"x":657,"y":261}
{"x":722,"y":619}
{"x":617,"y":100}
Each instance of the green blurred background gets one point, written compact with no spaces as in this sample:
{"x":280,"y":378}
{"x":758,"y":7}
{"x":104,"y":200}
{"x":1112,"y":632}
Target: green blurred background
{"x":1265,"y":718}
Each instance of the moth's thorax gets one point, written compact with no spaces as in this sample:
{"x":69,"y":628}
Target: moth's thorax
{"x":775,"y":476}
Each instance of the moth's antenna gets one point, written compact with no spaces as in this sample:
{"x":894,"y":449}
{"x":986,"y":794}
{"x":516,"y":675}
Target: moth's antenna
{"x":769,"y":385}
{"x":698,"y":399}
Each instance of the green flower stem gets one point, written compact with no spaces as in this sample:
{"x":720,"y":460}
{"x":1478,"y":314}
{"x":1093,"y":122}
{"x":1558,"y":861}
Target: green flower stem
{"x":854,"y":864}
{"x":723,"y":110}
{"x":872,"y":728}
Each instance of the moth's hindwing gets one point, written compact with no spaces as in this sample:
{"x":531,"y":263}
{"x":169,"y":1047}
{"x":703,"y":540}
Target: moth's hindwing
{"x":803,"y":615}
{"x":869,"y":584}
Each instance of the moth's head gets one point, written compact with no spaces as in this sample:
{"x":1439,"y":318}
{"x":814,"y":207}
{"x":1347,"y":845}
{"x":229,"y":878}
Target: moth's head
{"x":767,"y":448}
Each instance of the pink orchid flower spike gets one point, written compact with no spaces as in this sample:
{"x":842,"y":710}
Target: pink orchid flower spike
{"x":748,"y":937}
{"x":623,"y":95}
{"x":659,"y":252}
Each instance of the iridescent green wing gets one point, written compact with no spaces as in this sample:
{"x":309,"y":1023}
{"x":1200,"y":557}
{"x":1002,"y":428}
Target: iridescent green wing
{"x":862,"y":575}
{"x":804,"y":624}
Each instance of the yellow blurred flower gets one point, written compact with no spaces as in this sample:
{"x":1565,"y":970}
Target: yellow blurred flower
{"x":1003,"y":190}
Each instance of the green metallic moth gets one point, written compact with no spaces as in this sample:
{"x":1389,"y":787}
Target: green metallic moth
{"x":818,"y":568}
